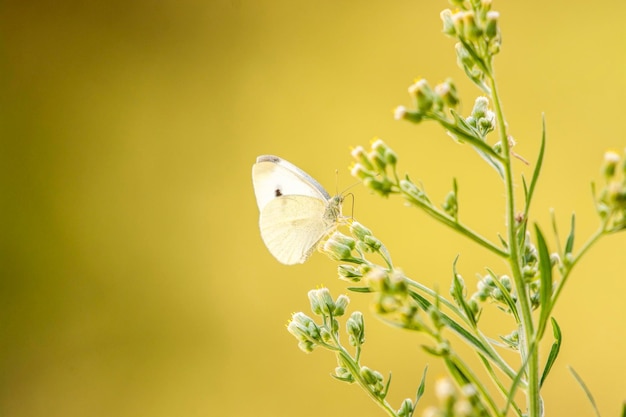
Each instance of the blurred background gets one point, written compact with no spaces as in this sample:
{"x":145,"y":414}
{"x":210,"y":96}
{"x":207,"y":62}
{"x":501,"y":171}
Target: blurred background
{"x":133,"y":277}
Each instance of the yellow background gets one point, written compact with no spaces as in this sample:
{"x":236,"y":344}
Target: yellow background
{"x":134,"y":281}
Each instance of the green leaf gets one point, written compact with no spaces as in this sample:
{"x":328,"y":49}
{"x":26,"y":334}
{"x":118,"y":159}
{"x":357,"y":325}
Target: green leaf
{"x":585,"y":389}
{"x":420,"y":389}
{"x":554,"y":350}
{"x":385,"y":391}
{"x":464,"y":131}
{"x":504,"y":242}
{"x":459,"y":297}
{"x":433,"y":351}
{"x":569,"y":244}
{"x":360,"y":289}
{"x":624,"y":410}
{"x":456,"y":372}
{"x":537,"y":170}
{"x":545,"y":272}
{"x":460,"y":121}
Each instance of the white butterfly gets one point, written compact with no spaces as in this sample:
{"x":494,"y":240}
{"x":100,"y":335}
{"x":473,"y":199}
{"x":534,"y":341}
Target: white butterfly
{"x":296,"y":212}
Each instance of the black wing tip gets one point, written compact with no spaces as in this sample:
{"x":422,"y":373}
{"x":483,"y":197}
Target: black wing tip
{"x":267,"y":158}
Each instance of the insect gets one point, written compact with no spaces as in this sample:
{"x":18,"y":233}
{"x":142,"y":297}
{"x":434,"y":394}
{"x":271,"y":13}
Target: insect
{"x":296,"y":212}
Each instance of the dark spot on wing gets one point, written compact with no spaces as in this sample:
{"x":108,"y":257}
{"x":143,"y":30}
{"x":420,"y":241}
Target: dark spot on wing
{"x":277,"y":192}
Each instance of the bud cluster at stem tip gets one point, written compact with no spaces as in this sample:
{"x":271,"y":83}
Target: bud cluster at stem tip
{"x":611,"y":203}
{"x":371,"y":166}
{"x":428,"y":101}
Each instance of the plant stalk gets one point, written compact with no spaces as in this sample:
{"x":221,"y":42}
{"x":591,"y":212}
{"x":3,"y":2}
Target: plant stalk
{"x":533,"y":399}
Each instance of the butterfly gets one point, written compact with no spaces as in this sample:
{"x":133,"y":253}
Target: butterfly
{"x":296,"y":212}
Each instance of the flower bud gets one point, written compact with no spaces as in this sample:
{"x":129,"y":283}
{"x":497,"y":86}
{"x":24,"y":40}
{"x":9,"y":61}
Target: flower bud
{"x":406,"y":408}
{"x":370,"y":376}
{"x":423,"y":95}
{"x":506,"y":282}
{"x":473,"y":305}
{"x":481,"y":107}
{"x":372,"y":242}
{"x":402,"y":113}
{"x":448,"y":22}
{"x":471,"y":30}
{"x":321,"y":301}
{"x":340,"y":305}
{"x":611,"y":160}
{"x":359,"y":171}
{"x":343,"y":239}
{"x":377,"y":160}
{"x":491,"y":27}
{"x":355,"y":327}
{"x":306,"y":346}
{"x":360,"y":231}
{"x":303,"y":328}
{"x":349,"y":273}
{"x":343,"y":374}
{"x":379,"y":146}
{"x":337,"y":250}
{"x":447,"y":92}
{"x":325,"y":335}
{"x":359,"y":154}
{"x":376,"y":279}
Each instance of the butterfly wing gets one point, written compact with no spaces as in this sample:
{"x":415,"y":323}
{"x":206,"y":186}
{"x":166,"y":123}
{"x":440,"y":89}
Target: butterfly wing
{"x":291,"y":226}
{"x":274,"y":177}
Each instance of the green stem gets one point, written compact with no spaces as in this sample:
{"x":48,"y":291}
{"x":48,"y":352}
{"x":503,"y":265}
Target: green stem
{"x":453,"y":224}
{"x":526,"y":320}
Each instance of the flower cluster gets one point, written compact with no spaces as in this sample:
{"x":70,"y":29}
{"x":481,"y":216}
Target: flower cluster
{"x":349,"y":368}
{"x":392,"y":298}
{"x":476,"y":28}
{"x":373,"y":167}
{"x":611,"y":203}
{"x":310,"y":334}
{"x":428,"y":103}
{"x":352,"y":249}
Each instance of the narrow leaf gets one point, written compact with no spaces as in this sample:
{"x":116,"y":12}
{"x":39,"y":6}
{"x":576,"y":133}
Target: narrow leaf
{"x":385,"y":391}
{"x":459,"y":297}
{"x":569,"y":244}
{"x":537,"y":170}
{"x":432,"y":351}
{"x":554,"y":351}
{"x":422,"y":386}
{"x":545,"y":290}
{"x":457,"y":373}
{"x":624,"y":410}
{"x":360,"y":289}
{"x":586,"y":390}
